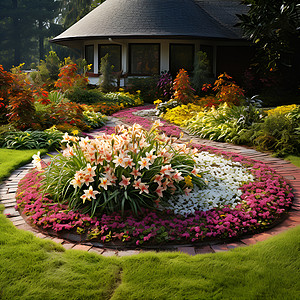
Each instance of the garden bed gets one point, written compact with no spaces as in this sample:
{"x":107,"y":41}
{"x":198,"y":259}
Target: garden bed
{"x":264,"y":202}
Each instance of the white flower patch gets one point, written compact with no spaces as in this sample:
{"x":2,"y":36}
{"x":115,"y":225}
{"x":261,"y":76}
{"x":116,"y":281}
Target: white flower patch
{"x":223,"y":178}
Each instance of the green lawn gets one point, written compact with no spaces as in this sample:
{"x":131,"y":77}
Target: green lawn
{"x":11,"y":159}
{"x":31,"y":268}
{"x":294,"y":160}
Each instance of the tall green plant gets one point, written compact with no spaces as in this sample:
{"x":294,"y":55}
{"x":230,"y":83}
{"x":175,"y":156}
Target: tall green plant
{"x":106,"y":78}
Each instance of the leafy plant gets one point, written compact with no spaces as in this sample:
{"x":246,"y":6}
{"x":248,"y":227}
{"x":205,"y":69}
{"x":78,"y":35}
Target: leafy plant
{"x":32,"y":139}
{"x":94,"y":119}
{"x":279,"y":132}
{"x":225,"y":91}
{"x":80,"y":95}
{"x":68,"y":78}
{"x":183,"y":92}
{"x":165,"y":85}
{"x":224,"y":123}
{"x":48,"y":71}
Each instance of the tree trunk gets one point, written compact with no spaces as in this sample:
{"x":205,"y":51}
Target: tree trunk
{"x":41,"y":40}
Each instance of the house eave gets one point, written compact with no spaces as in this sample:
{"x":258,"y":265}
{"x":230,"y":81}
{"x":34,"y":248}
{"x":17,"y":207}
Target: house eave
{"x":77,"y":40}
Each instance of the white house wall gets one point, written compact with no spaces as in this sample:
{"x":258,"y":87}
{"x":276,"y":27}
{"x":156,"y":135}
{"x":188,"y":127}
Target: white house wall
{"x":164,"y":50}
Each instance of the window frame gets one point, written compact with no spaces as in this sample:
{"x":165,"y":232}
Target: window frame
{"x":130,"y":59}
{"x":181,"y":44}
{"x":114,"y":45}
{"x":85,"y":54}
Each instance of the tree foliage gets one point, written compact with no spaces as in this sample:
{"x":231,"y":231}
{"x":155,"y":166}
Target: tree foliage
{"x":274,"y":26}
{"x":24,"y":26}
{"x":73,"y":10}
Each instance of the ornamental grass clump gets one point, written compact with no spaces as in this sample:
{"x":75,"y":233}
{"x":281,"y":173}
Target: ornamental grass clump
{"x":131,"y":169}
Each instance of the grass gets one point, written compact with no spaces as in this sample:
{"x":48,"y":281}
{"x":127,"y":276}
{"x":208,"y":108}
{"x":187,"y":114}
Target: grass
{"x":11,"y":159}
{"x":294,"y":160}
{"x":31,"y":268}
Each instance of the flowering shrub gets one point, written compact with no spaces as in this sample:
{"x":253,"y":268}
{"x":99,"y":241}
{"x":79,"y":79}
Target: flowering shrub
{"x":107,"y":108}
{"x":282,"y":110}
{"x":183,"y":92}
{"x":126,"y":99}
{"x":263,"y":201}
{"x":6,"y":81}
{"x":182,"y":114}
{"x":131,"y":169}
{"x":162,"y":107}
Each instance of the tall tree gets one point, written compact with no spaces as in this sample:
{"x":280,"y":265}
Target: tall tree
{"x":74,"y":10}
{"x":274,"y":26}
{"x":24,"y":24}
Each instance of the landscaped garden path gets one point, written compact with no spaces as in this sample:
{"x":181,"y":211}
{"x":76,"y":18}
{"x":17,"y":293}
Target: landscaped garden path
{"x":70,"y":241}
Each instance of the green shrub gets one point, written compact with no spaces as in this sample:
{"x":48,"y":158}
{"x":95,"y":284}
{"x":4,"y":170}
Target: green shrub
{"x":48,"y":139}
{"x":279,"y":133}
{"x":80,"y":95}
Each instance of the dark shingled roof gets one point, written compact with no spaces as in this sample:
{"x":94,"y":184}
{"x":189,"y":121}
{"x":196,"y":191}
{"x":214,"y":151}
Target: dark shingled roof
{"x":156,"y":18}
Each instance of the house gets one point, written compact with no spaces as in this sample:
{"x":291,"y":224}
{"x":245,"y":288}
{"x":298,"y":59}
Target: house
{"x":146,"y":37}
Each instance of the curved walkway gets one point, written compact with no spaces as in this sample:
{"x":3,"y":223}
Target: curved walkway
{"x":290,"y":172}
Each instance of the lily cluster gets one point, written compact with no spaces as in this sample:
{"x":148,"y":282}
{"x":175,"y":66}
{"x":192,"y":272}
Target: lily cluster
{"x":130,"y":169}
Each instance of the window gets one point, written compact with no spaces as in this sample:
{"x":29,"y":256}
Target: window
{"x":181,"y":57}
{"x":114,"y":58}
{"x":89,"y":54}
{"x":144,"y":59}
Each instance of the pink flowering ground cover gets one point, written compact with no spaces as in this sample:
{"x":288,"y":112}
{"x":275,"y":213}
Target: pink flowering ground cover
{"x":127,"y":117}
{"x":264,"y":202}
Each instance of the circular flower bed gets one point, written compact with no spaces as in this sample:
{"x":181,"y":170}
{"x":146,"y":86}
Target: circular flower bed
{"x":140,"y":188}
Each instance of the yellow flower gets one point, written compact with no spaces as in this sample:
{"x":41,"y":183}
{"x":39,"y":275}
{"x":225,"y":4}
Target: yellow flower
{"x":282,"y":109}
{"x":158,"y":101}
{"x":75,"y":131}
{"x":188,"y":181}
